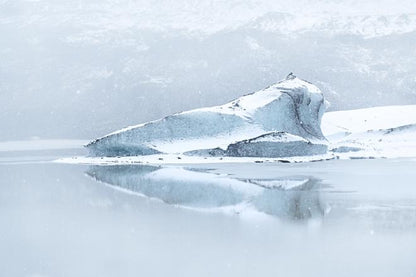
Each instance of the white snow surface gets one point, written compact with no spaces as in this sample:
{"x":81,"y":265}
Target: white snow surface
{"x":361,"y":120}
{"x":388,"y":131}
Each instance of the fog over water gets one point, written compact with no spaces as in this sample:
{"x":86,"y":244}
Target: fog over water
{"x":81,"y":69}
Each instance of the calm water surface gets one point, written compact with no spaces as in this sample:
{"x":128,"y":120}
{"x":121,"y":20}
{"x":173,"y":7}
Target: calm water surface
{"x":333,"y":218}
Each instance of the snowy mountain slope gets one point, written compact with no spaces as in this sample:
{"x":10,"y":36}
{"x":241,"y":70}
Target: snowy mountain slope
{"x":208,"y":17}
{"x":293,"y":106}
{"x":367,"y":26}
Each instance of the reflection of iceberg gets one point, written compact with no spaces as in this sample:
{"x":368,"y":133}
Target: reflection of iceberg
{"x":294,"y":197}
{"x":281,"y":120}
{"x":297,"y":203}
{"x":176,"y":185}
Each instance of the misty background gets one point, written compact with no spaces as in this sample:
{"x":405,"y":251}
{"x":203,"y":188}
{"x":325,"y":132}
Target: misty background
{"x":81,"y":69}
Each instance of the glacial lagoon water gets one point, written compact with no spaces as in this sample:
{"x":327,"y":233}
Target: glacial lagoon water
{"x":331,"y":218}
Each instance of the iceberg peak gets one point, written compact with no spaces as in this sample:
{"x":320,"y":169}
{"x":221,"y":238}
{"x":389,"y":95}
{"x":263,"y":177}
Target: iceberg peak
{"x":290,"y":76}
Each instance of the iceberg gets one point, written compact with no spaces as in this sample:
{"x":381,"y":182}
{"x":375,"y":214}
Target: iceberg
{"x":281,"y":120}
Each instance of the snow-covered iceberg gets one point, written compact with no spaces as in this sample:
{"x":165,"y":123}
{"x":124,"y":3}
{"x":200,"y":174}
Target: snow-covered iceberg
{"x":280,"y":120}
